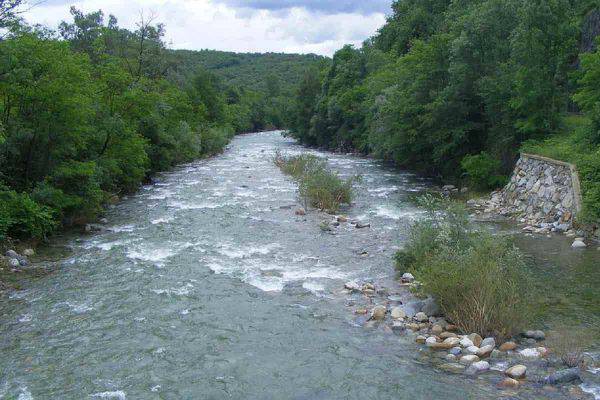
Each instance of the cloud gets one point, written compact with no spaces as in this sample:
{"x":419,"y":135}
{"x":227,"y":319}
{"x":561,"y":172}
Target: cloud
{"x":219,"y":24}
{"x":364,"y":7}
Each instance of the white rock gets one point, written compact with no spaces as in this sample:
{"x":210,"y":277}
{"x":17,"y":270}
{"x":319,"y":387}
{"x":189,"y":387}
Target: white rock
{"x":578,"y":244}
{"x":489,"y":341}
{"x":408,"y":277}
{"x":430,"y":340}
{"x":471,"y":350}
{"x":479,"y":366}
{"x":451,"y":341}
{"x":466,"y":342}
{"x":353,"y":286}
{"x":530,"y":353}
{"x":13,"y":263}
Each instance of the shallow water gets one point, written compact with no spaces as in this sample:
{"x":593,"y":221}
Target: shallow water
{"x":206,"y":285}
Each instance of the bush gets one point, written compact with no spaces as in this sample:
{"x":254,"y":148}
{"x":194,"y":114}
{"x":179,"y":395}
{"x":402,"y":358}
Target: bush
{"x":482,"y":170}
{"x":317,"y":184}
{"x":479,"y":280}
{"x":215,"y":139}
{"x":22,"y":217}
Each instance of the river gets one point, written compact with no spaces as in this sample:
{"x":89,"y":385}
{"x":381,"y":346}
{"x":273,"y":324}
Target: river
{"x":206,"y":285}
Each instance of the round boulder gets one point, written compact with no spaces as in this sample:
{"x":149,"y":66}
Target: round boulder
{"x":516,"y":371}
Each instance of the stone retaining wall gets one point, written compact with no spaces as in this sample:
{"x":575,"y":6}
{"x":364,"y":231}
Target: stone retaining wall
{"x":544,"y":192}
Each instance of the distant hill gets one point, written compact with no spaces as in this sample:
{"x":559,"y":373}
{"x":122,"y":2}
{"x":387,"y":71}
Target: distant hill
{"x":249,"y":70}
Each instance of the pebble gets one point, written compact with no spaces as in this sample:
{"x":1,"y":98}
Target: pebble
{"x":28,"y":252}
{"x":408,"y":277}
{"x":469,"y":359}
{"x":485,"y":351}
{"x":466,"y":342}
{"x":508,"y":346}
{"x":456,"y":351}
{"x":451,"y":357}
{"x":476,"y":339}
{"x":471,"y":350}
{"x":12,"y":254}
{"x":530,"y":353}
{"x":479,"y":366}
{"x":437,"y":330}
{"x":421,"y":339}
{"x":398,"y":313}
{"x":517,"y":371}
{"x":421,"y":317}
{"x":489,"y":341}
{"x":352,"y":286}
{"x":378,"y":312}
{"x":578,"y":244}
{"x":431,"y":340}
{"x":509,"y":383}
{"x":452,"y":341}
{"x":13,"y":263}
{"x":446,"y":335}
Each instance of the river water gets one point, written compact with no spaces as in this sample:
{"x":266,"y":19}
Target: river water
{"x":206,"y":285}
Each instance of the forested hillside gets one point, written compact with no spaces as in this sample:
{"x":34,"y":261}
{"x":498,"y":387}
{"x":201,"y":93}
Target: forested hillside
{"x":454,"y":88}
{"x":90,"y":110}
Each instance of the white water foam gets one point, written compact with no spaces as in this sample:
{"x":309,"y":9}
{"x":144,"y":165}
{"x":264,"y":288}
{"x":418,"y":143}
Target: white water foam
{"x":25,"y":394}
{"x":118,"y":394}
{"x":230,"y":251}
{"x":162,"y":220}
{"x":593,"y":390}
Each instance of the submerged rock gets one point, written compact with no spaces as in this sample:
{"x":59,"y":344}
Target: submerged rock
{"x":537,"y":335}
{"x":509,"y":383}
{"x":300,"y":212}
{"x":563,"y":376}
{"x":360,"y":225}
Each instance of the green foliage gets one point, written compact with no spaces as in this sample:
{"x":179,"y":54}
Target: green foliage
{"x":91,"y":116}
{"x":482,"y":171}
{"x":22,"y":217}
{"x":318,"y":186}
{"x":443,"y":80}
{"x":479,"y":280}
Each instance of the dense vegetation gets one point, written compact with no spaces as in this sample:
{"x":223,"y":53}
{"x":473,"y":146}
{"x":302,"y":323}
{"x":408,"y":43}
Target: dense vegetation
{"x":479,"y":280}
{"x":318,"y":185}
{"x":453,"y":88}
{"x":89,"y":111}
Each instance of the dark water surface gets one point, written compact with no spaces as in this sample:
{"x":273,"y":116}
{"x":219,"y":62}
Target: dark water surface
{"x":207,"y":286}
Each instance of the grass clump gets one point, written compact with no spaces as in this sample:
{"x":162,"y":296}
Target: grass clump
{"x":480,"y":281}
{"x":318,"y":185}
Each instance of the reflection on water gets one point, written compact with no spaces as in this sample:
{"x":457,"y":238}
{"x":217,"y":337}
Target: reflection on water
{"x":207,"y":285}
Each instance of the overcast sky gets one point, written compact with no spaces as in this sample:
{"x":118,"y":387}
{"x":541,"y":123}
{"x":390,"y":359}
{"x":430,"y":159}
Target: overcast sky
{"x":291,"y":26}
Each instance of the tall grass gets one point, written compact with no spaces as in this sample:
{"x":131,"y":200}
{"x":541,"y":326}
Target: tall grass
{"x":479,"y":280}
{"x":318,"y":186}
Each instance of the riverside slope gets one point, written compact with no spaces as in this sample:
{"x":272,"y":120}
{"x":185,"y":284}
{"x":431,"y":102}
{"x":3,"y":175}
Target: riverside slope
{"x":206,"y":285}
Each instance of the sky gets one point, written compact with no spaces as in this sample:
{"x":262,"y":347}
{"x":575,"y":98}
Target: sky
{"x":289,"y":26}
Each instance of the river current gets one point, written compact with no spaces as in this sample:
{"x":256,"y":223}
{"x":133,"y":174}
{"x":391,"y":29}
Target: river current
{"x":206,"y":285}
